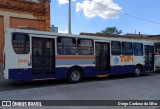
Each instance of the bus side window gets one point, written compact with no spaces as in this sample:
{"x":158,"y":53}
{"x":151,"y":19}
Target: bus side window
{"x":127,"y":48}
{"x":66,"y":46}
{"x":138,"y":49}
{"x":20,"y":43}
{"x":85,"y":47}
{"x":157,"y":48}
{"x":116,"y":48}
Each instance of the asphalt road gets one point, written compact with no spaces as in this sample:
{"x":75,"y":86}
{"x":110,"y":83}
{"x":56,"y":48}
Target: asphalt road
{"x":121,"y":87}
{"x":9,"y":85}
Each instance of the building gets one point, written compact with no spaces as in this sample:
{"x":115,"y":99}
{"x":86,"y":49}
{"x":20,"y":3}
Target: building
{"x":137,"y":35}
{"x":54,"y":29}
{"x":23,"y":14}
{"x":130,"y":36}
{"x":154,"y":35}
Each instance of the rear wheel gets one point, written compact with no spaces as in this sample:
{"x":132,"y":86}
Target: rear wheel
{"x":74,"y":75}
{"x":138,"y":71}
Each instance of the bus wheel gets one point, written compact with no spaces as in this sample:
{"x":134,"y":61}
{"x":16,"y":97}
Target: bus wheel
{"x":74,"y":75}
{"x":138,"y":71}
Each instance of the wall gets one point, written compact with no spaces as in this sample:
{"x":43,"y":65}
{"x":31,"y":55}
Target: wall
{"x":1,"y":35}
{"x":23,"y":13}
{"x":33,"y":23}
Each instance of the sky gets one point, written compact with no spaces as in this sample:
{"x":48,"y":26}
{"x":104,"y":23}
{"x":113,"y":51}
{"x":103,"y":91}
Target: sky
{"x":91,"y":16}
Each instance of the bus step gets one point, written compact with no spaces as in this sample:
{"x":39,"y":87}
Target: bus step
{"x":43,"y":79}
{"x":100,"y":76}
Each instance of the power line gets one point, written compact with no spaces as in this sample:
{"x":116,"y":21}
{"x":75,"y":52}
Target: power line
{"x":124,"y":13}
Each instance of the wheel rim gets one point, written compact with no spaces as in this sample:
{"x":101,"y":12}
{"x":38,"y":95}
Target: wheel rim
{"x":75,"y":75}
{"x":137,"y":71}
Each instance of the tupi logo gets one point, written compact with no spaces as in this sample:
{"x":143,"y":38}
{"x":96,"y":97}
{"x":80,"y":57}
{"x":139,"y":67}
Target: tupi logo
{"x":126,"y":58}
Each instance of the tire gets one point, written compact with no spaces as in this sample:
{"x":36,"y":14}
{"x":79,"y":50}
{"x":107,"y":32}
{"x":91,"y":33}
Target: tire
{"x":138,"y":71}
{"x":74,"y":75}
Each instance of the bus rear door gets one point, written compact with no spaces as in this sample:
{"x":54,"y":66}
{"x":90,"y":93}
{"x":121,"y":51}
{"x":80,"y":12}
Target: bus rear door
{"x":43,"y":58}
{"x":102,"y":57}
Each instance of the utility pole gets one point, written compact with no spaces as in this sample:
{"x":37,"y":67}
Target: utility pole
{"x":69,"y":17}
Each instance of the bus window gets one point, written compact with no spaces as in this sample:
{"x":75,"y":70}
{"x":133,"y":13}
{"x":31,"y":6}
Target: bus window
{"x":85,"y":47}
{"x":66,"y":46}
{"x":157,"y":49}
{"x":127,"y":48}
{"x":116,"y":48}
{"x":20,"y":43}
{"x":37,"y":45}
{"x":138,"y":49}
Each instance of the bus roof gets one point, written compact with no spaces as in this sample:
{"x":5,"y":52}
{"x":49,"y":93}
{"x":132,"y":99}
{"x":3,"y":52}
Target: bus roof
{"x":86,"y":35}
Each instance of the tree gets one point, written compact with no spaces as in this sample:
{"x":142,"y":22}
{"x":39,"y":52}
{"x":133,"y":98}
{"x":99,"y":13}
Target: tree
{"x":111,"y":30}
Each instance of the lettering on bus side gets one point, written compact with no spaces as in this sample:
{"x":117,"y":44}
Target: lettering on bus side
{"x":126,"y":58}
{"x":22,"y":61}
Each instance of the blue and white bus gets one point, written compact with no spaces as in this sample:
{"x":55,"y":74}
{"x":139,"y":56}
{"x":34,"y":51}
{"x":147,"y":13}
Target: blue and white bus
{"x":33,"y":55}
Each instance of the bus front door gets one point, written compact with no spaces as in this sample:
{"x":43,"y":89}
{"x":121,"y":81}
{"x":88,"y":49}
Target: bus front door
{"x":43,"y":58}
{"x":149,"y":58}
{"x":102,"y":58}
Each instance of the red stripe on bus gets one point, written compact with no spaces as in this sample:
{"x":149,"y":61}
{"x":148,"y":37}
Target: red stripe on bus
{"x":73,"y":57}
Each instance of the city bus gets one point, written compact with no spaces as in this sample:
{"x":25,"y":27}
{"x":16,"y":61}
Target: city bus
{"x":157,"y":55}
{"x":36,"y":55}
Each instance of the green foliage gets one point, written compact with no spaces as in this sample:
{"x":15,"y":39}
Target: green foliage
{"x":110,"y":30}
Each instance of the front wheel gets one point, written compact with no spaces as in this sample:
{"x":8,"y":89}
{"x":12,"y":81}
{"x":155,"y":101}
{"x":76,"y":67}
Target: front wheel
{"x":74,"y":75}
{"x":138,"y":71}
